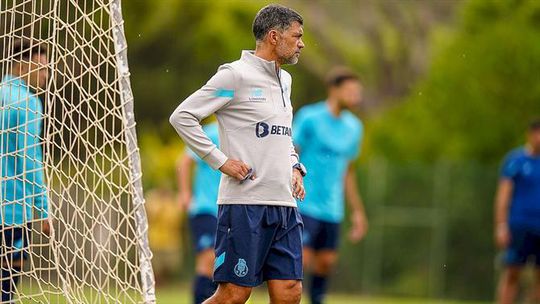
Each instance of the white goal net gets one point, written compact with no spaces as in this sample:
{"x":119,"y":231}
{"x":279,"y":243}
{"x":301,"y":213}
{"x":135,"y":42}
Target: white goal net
{"x":69,"y":157}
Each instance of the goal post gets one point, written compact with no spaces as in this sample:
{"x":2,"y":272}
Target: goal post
{"x":97,"y":250}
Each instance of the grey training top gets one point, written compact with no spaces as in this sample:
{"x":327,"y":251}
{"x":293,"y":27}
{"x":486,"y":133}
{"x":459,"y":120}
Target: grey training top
{"x":251,"y":100}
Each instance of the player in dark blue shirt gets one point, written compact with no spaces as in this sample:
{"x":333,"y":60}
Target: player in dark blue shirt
{"x":517,"y":215}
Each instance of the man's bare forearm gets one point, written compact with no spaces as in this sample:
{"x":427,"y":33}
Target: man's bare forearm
{"x":502,"y":202}
{"x":184,"y":173}
{"x":354,"y":198}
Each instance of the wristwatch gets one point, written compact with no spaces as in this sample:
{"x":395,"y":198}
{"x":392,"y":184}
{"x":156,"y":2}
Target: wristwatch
{"x":300,"y":167}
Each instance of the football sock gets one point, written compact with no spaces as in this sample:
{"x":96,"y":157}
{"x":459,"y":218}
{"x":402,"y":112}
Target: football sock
{"x":318,"y":288}
{"x":203,"y":288}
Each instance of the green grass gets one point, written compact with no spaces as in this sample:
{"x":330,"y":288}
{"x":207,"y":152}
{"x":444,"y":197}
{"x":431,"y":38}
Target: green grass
{"x":170,"y":295}
{"x":180,"y":294}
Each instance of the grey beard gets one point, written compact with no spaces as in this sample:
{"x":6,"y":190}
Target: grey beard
{"x":291,"y":60}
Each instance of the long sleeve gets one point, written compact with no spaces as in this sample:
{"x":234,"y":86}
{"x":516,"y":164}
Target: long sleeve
{"x":214,"y":95}
{"x":29,"y":145}
{"x":294,"y":156}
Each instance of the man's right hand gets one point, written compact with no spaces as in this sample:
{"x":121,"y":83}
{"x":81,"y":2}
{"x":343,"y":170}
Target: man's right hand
{"x":502,"y":236}
{"x":235,"y":169}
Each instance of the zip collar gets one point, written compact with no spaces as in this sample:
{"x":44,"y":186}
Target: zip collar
{"x":267,"y":66}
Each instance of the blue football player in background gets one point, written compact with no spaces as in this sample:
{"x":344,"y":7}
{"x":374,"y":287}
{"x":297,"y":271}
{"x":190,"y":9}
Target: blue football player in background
{"x":517,"y":215}
{"x":198,"y":184}
{"x":328,"y":137}
{"x":23,"y":190}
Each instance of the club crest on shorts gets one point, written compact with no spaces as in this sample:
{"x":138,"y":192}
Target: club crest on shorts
{"x":241,"y":268}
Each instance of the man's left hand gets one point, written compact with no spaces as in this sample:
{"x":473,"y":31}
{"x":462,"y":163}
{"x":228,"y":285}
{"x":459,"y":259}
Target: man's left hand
{"x":359,"y":226}
{"x":298,"y":185}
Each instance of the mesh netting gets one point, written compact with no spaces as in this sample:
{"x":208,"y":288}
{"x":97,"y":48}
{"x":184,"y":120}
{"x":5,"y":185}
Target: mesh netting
{"x":97,"y":249}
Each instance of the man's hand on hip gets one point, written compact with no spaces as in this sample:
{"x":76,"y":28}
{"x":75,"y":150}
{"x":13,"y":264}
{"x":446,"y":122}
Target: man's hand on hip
{"x":298,"y":185}
{"x":236,"y":169}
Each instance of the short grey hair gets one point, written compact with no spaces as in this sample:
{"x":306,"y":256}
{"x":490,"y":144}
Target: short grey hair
{"x":274,"y":16}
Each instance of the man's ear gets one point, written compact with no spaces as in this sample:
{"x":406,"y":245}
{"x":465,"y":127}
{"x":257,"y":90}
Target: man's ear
{"x":273,"y":37}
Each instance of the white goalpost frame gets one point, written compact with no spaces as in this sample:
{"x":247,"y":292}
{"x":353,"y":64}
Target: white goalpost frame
{"x":145,"y":255}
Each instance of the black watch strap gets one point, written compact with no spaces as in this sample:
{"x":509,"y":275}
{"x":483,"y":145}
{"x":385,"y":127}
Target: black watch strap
{"x":300,"y":167}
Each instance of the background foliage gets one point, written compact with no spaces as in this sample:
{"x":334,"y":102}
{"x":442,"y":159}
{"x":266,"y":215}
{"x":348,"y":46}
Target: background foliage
{"x":450,"y":86}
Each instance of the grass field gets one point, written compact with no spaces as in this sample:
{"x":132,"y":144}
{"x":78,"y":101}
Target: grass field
{"x":171,"y":295}
{"x":181,"y":295}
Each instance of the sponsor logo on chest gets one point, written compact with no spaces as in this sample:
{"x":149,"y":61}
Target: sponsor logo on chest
{"x":257,"y":94}
{"x":262,"y":129}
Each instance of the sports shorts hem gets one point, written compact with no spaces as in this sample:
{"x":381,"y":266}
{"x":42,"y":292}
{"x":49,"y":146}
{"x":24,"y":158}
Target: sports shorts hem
{"x":239,"y":284}
{"x":284,"y":278}
{"x":202,"y":232}
{"x":320,"y":235}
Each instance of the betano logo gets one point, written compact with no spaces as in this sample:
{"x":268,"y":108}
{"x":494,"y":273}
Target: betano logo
{"x":263,"y":129}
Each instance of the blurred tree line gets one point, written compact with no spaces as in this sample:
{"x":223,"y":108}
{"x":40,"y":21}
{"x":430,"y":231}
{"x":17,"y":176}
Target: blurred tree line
{"x":447,"y":82}
{"x":470,"y":108}
{"x":482,"y":88}
{"x":176,"y":45}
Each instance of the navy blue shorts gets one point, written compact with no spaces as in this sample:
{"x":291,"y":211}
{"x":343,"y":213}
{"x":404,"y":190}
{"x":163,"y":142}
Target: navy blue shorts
{"x":14,"y":243}
{"x":524,"y":244}
{"x":257,"y":243}
{"x":319,"y":235}
{"x":203,"y":231}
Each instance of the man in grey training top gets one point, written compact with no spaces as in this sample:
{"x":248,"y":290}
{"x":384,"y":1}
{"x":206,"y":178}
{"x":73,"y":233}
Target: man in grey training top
{"x":259,"y":235}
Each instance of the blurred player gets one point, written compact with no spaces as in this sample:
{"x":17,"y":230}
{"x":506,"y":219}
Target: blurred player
{"x":23,"y":189}
{"x":259,"y":235}
{"x":328,"y":136}
{"x":517,"y":215}
{"x":194,"y":173}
